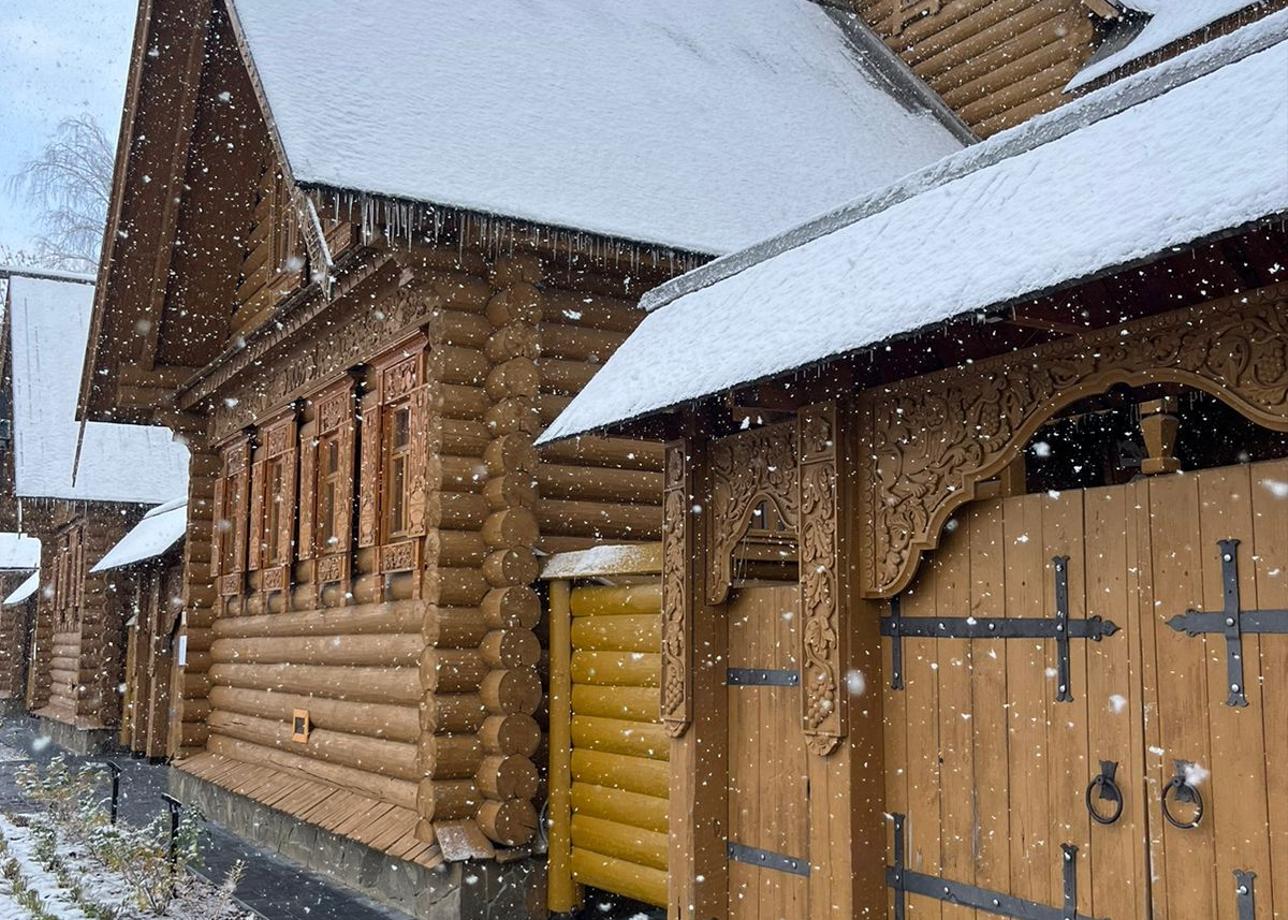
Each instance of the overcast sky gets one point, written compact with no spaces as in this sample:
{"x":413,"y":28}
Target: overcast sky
{"x":58,"y":58}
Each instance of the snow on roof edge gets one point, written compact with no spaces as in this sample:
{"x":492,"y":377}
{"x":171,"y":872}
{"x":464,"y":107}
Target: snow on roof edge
{"x":1095,"y":106}
{"x":23,"y":591}
{"x":45,"y":274}
{"x":155,"y":534}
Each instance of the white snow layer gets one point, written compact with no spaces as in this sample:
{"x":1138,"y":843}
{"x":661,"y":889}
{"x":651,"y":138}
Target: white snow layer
{"x":18,"y":552}
{"x":697,"y":124}
{"x":1205,"y":157}
{"x":609,"y":559}
{"x":135,"y":463}
{"x":1170,"y":21}
{"x":24,"y":590}
{"x":160,"y":529}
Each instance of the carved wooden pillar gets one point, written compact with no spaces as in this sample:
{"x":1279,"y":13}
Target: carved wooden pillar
{"x":694,"y":638}
{"x":1158,"y":426}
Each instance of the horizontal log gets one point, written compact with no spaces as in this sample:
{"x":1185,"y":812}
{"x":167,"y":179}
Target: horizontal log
{"x":621,"y":453}
{"x":610,"y":600}
{"x":443,"y":713}
{"x":505,"y":568}
{"x":617,"y":669}
{"x":451,"y":670}
{"x":643,"y":883}
{"x":462,"y":366}
{"x":378,"y":720}
{"x":618,"y":633}
{"x":600,"y":519}
{"x":512,"y":822}
{"x":359,"y":651}
{"x":615,"y":736}
{"x":517,"y":733}
{"x":635,"y":704}
{"x":621,"y":841}
{"x":461,"y":474}
{"x":470,"y":330}
{"x":643,"y":811}
{"x":464,"y":438}
{"x":516,"y":607}
{"x":457,"y":587}
{"x":580,"y":482}
{"x":510,"y":342}
{"x":368,"y":685}
{"x":361,"y":752}
{"x":616,"y":771}
{"x":517,"y":690}
{"x":366,"y":619}
{"x":455,"y":756}
{"x":520,"y":302}
{"x":448,"y":799}
{"x":579,"y":343}
{"x":463,"y":402}
{"x":581,"y":309}
{"x":560,"y":376}
{"x":507,"y":776}
{"x":384,"y":788}
{"x":454,"y":627}
{"x":462,"y":510}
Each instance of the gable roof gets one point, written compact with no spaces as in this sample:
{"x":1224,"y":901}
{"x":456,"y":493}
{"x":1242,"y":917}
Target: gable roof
{"x":19,"y":552}
{"x":161,"y":528}
{"x":1197,"y":150}
{"x":23,"y":591}
{"x":49,"y":328}
{"x":702,"y":125}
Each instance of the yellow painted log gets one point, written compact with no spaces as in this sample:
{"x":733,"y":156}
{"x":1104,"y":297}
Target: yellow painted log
{"x":643,"y":883}
{"x":620,"y":669}
{"x":594,"y":600}
{"x":562,"y":893}
{"x":608,"y":838}
{"x":618,"y":633}
{"x":632,"y":774}
{"x":614,"y":736}
{"x":634,"y":704}
{"x":646,"y":811}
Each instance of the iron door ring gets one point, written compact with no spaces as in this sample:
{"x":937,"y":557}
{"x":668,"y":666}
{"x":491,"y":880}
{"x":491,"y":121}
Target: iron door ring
{"x":1184,"y":793}
{"x":1109,"y":790}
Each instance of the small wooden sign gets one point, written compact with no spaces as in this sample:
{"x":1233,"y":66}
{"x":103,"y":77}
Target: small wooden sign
{"x":300,"y":725}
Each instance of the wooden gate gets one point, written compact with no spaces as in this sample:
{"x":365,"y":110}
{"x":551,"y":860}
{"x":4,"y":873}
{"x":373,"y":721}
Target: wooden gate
{"x":1040,"y":764}
{"x":768,"y":769}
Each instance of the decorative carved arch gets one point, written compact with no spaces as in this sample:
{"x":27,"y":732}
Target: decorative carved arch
{"x":746,"y":469}
{"x":929,"y":441}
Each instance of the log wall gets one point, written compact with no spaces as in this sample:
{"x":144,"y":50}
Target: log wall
{"x":15,"y":624}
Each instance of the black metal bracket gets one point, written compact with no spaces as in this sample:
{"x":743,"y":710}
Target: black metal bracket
{"x":766,"y":859}
{"x":1232,"y":622}
{"x":762,"y":677}
{"x":1061,"y":627}
{"x":905,"y":882}
{"x":1245,"y":898}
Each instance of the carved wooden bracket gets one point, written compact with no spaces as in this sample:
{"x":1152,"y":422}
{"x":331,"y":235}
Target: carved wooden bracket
{"x":928,"y":441}
{"x":746,"y":469}
{"x":677,"y":583}
{"x":823,"y":704}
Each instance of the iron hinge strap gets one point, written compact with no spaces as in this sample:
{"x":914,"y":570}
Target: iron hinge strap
{"x":1232,"y":622}
{"x":766,"y":859}
{"x":1061,"y":627}
{"x":762,"y":677}
{"x":906,"y":882}
{"x":1245,"y":897}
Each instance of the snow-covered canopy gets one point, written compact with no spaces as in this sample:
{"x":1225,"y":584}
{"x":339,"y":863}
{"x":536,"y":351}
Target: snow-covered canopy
{"x":160,"y":529}
{"x":18,"y":552}
{"x":49,"y":329}
{"x":1170,"y":21}
{"x":1175,"y":154}
{"x":702,"y":125}
{"x":24,"y":590}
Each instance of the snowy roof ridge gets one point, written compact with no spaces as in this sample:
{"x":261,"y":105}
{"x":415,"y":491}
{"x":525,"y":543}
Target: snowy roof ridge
{"x":1095,"y":106}
{"x":1200,"y":160}
{"x":694,"y":125}
{"x":44,"y":274}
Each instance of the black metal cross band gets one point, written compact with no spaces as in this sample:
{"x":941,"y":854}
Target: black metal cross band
{"x":904,"y":881}
{"x":1061,"y":627}
{"x":1231,"y":621}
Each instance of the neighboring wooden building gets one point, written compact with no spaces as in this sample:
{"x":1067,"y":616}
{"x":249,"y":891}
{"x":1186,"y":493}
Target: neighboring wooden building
{"x":19,"y":559}
{"x":1022,"y":474}
{"x":76,"y":510}
{"x":146,"y":569}
{"x":361,"y":320}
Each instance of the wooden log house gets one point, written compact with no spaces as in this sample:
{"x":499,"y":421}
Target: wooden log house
{"x":1026,"y":653}
{"x":76,"y":507}
{"x":19,"y":559}
{"x":379,"y":254}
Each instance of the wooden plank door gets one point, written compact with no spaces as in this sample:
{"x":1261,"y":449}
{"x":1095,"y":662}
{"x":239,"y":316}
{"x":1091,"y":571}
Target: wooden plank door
{"x":768,"y":786}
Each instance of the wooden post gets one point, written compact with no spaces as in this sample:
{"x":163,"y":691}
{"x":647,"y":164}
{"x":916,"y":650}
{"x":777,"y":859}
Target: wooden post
{"x":564,"y":895}
{"x":1158,"y":426}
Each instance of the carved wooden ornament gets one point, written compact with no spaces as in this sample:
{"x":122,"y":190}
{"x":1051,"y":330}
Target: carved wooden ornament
{"x":823,"y":702}
{"x":677,"y":626}
{"x":930,"y":440}
{"x":746,"y":469}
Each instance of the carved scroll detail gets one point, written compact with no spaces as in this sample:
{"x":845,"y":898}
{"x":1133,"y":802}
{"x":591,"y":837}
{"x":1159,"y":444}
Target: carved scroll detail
{"x":746,"y":469}
{"x":931,"y":439}
{"x":822,"y":702}
{"x":677,"y":627}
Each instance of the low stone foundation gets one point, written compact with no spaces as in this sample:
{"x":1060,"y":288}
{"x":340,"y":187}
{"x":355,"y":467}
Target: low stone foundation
{"x":12,"y":706}
{"x":451,"y":891}
{"x":83,"y":741}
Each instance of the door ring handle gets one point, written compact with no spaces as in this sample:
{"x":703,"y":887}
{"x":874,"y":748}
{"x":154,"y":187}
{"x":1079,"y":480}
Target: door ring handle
{"x":1109,"y":791}
{"x":1184,"y":793}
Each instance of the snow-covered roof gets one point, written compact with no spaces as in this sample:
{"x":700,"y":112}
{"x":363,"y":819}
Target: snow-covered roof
{"x":23,"y":591}
{"x":702,"y":125}
{"x":1170,"y":21}
{"x":49,"y":329}
{"x":18,"y":552}
{"x":609,"y":559}
{"x":1175,"y":154}
{"x":160,"y":529}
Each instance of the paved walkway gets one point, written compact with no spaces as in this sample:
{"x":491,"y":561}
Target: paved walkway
{"x":271,"y":887}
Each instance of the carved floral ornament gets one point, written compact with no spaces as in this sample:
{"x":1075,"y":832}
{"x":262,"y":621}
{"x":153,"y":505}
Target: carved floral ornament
{"x":931,"y":440}
{"x":677,"y":556}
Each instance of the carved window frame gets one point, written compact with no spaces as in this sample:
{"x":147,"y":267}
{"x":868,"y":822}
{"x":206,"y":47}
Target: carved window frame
{"x":334,"y":423}
{"x":274,"y":504}
{"x":231,"y":516}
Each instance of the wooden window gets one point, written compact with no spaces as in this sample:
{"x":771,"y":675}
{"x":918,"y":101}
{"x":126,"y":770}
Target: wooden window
{"x":397,"y":480}
{"x":68,"y":576}
{"x":327,"y":487}
{"x":273,"y":504}
{"x":229,"y":527}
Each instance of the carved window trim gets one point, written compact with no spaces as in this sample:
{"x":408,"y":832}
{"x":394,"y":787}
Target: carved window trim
{"x":274,"y":503}
{"x":329,"y":545}
{"x":231,"y":516}
{"x":981,"y":416}
{"x":676,"y":695}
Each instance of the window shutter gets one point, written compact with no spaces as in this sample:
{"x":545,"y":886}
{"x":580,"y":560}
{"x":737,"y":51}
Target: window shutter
{"x":257,"y":507}
{"x":239,"y":513}
{"x":369,"y":473}
{"x":308,"y":489}
{"x":417,"y":485}
{"x":281,"y":443}
{"x":344,"y":497}
{"x":216,"y":530}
